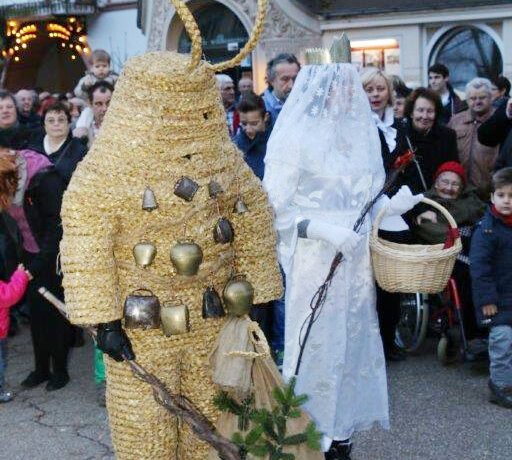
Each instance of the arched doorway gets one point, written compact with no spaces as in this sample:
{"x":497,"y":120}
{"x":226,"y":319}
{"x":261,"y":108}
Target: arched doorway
{"x":222,"y":32}
{"x":469,"y":51}
{"x":46,"y":62}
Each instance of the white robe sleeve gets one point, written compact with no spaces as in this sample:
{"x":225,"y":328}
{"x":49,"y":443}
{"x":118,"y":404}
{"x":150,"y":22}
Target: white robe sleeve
{"x":281,"y":182}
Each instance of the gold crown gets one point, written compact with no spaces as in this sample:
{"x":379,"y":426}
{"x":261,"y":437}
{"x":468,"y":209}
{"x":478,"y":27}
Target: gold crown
{"x":340,"y":51}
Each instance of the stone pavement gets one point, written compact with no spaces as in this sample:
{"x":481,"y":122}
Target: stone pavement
{"x":61,"y":425}
{"x":437,"y":413}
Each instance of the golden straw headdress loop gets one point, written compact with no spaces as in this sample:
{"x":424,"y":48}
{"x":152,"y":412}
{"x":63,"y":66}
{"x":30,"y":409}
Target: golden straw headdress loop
{"x":195,"y":35}
{"x":340,"y":51}
{"x":192,"y":30}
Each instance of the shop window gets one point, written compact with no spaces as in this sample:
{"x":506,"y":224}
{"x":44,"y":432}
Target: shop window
{"x":383,"y":53}
{"x":468,"y":52}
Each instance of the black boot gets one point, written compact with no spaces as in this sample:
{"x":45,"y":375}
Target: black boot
{"x":340,"y":450}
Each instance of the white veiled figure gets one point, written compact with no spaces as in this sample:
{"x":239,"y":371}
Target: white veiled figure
{"x":323,"y":162}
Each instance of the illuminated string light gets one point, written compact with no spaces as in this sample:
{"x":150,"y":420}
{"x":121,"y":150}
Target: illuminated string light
{"x":71,"y":32}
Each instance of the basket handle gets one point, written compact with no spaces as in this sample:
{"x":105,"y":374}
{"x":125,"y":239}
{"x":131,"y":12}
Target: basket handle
{"x":434,"y":204}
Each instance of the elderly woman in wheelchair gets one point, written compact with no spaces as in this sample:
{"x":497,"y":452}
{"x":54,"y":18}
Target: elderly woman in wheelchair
{"x":450,"y":314}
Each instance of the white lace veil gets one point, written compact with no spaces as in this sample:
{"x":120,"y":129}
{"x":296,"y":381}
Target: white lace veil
{"x":326,"y":124}
{"x":324,"y":153}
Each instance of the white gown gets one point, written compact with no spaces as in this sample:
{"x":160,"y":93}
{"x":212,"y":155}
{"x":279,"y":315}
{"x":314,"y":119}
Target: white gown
{"x":326,"y":164}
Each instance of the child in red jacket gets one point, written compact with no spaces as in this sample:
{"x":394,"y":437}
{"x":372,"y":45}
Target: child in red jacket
{"x":11,"y":293}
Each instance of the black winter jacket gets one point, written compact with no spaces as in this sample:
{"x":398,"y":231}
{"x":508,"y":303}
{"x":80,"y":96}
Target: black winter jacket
{"x":491,"y":269}
{"x":497,"y":130}
{"x":65,"y":159}
{"x":432,"y":150}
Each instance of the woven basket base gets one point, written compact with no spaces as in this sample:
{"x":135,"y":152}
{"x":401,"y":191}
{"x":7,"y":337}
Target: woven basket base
{"x":412,"y":268}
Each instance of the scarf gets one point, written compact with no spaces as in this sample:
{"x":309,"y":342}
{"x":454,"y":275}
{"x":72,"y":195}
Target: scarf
{"x":507,"y":220}
{"x":386,"y":126}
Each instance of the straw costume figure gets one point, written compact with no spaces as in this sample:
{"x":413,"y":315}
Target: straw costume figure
{"x":204,"y":217}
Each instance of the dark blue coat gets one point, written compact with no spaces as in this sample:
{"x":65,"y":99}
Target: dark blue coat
{"x":491,"y":268}
{"x":254,"y":150}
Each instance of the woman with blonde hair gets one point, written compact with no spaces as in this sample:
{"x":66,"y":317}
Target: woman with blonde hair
{"x":379,"y":89}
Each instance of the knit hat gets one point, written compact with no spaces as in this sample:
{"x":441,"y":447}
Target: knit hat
{"x":454,"y":167}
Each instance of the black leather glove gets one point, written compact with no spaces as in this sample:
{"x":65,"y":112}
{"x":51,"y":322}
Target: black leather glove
{"x":113,"y":341}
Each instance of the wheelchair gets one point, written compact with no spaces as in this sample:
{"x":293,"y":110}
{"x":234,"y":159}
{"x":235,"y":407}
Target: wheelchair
{"x":440,"y":315}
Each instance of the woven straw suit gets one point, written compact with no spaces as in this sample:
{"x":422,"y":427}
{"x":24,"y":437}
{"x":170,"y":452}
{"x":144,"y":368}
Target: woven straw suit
{"x":165,"y":121}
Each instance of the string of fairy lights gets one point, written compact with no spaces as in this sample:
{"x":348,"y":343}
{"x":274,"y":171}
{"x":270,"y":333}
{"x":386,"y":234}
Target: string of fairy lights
{"x":70,"y":34}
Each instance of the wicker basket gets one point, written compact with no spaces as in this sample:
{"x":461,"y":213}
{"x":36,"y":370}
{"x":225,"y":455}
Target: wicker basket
{"x":411,"y":268}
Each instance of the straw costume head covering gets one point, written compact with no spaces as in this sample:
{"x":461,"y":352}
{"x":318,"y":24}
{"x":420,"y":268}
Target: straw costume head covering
{"x":165,"y":123}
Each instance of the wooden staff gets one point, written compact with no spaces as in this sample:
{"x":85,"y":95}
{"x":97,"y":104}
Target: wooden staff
{"x":177,"y":405}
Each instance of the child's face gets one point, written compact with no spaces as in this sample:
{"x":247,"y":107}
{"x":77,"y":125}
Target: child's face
{"x":502,"y":200}
{"x":100,"y":69}
{"x":253,"y":122}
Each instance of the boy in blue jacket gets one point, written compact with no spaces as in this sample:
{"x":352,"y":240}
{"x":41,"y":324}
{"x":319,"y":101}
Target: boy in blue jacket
{"x":491,"y":274}
{"x":252,"y":137}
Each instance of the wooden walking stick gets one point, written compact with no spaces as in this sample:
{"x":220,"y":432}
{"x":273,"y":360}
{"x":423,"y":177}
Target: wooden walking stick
{"x":177,"y":405}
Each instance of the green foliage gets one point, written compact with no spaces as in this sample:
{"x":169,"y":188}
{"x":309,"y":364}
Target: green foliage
{"x":263,"y":432}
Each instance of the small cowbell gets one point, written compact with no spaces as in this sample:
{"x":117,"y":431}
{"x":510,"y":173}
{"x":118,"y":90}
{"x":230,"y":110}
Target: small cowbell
{"x":238,"y":295}
{"x":142,"y":310}
{"x":214,"y":189}
{"x":144,"y":253}
{"x":223,"y":232}
{"x":240,"y":206}
{"x":149,"y":202}
{"x":174,"y":319}
{"x":212,"y":305}
{"x":186,"y":256}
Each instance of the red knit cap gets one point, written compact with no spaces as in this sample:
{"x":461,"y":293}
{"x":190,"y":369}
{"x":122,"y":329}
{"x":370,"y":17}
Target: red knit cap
{"x":454,"y":167}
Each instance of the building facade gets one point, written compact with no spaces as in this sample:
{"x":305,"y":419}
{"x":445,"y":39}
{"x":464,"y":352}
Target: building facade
{"x":47,"y":43}
{"x":472,"y":37}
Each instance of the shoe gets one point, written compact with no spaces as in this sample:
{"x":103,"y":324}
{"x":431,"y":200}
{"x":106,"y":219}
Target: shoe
{"x":34,"y":379}
{"x":57,"y":381}
{"x":6,"y":396}
{"x":339,"y":451}
{"x":500,"y":396}
{"x":101,"y":394}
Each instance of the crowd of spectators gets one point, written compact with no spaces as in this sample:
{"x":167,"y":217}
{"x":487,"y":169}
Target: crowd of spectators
{"x":459,"y":143}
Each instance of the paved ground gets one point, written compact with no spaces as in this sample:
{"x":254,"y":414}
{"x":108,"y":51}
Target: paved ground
{"x":437,"y":414}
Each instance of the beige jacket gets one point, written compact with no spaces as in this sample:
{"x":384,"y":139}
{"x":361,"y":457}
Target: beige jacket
{"x":478,"y":160}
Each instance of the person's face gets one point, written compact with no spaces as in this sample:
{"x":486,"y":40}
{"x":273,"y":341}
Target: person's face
{"x":245,"y":86}
{"x":253,"y":122}
{"x":56,"y":124}
{"x":100,"y":69}
{"x":479,"y":101}
{"x":399,"y":107}
{"x":75,"y":111}
{"x":100,"y":102}
{"x":25,"y":100}
{"x":448,"y":185}
{"x":437,"y":82}
{"x":502,"y":200}
{"x":423,"y":115}
{"x":378,"y":93}
{"x":8,"y":115}
{"x":284,"y":79}
{"x":227,"y":93}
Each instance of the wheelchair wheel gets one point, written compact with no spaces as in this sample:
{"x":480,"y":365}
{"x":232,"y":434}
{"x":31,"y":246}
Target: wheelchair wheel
{"x":412,"y":327}
{"x":448,"y":348}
